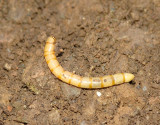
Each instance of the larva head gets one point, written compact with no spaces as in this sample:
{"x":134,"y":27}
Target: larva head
{"x":128,"y":77}
{"x":51,"y":40}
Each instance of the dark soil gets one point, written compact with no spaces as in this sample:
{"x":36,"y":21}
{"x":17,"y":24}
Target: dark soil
{"x":94,"y":38}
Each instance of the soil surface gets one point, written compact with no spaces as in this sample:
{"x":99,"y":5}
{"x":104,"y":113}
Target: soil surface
{"x":94,"y":38}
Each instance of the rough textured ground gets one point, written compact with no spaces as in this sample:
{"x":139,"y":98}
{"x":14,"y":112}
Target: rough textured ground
{"x":94,"y":38}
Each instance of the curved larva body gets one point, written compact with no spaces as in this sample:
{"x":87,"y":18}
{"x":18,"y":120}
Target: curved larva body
{"x":78,"y":81}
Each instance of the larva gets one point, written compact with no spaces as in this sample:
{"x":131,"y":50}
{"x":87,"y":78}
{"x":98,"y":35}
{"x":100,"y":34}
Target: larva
{"x":76,"y":80}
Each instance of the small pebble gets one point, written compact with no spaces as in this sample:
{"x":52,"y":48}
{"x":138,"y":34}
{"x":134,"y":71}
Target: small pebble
{"x":7,"y":66}
{"x":8,"y":50}
{"x":135,"y":15}
{"x":95,"y":60}
{"x":138,"y":86}
{"x":11,"y":56}
{"x":83,"y":123}
{"x":112,"y":7}
{"x":147,"y":117}
{"x":25,"y":106}
{"x":9,"y":108}
{"x":83,"y":18}
{"x":61,"y":50}
{"x":144,"y":88}
{"x":103,"y":67}
{"x":38,"y":52}
{"x":54,"y":117}
{"x":99,"y":94}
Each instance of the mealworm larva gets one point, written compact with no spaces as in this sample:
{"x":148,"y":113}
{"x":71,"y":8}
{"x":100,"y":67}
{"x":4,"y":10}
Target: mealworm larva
{"x":76,"y":80}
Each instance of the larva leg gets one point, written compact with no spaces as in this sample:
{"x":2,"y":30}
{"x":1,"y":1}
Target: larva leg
{"x":73,"y":79}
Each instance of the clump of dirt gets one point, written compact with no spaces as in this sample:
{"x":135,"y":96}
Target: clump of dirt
{"x":94,"y":38}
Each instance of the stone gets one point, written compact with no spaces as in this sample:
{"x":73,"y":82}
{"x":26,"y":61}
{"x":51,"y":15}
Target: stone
{"x":7,"y":66}
{"x":70,"y":91}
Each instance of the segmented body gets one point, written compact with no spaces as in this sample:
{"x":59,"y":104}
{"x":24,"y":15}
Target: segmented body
{"x":76,"y":80}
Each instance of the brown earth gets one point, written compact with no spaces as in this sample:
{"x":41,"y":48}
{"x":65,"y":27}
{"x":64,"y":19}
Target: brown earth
{"x":94,"y":38}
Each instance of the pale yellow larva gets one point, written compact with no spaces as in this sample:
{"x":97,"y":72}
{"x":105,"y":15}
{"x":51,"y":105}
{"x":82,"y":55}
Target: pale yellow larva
{"x":76,"y":80}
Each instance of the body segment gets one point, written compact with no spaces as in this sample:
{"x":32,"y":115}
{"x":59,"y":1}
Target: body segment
{"x":76,"y":80}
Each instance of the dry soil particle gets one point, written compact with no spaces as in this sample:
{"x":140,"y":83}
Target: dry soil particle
{"x":94,"y":38}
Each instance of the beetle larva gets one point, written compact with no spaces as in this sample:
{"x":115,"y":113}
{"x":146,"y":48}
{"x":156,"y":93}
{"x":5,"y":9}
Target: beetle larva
{"x":76,"y":80}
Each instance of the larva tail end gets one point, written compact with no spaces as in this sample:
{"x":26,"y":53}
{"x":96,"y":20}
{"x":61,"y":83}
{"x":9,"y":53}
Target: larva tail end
{"x":51,"y":40}
{"x":128,"y":77}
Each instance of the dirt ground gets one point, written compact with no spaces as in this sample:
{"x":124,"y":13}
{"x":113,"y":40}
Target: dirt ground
{"x":94,"y":38}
